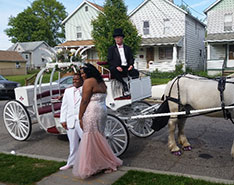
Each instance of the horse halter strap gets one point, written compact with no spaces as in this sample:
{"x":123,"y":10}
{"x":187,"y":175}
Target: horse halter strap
{"x":221,"y":88}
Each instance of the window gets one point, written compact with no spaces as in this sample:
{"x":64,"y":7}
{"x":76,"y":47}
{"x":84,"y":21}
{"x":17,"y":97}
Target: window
{"x":166,"y":26}
{"x":26,"y":56}
{"x":228,"y":22}
{"x":43,"y":60}
{"x":231,"y":52}
{"x":165,"y":53}
{"x":79,"y":33}
{"x":146,"y":27}
{"x":86,"y":8}
{"x":17,"y":65}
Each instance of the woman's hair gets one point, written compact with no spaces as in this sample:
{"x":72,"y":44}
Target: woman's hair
{"x":92,"y":72}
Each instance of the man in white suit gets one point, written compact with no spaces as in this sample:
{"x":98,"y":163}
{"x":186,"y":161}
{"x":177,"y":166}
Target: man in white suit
{"x":69,"y":117}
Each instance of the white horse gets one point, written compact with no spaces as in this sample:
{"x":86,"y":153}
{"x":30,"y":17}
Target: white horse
{"x":194,"y":93}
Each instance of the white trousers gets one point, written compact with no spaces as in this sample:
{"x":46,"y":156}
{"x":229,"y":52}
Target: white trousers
{"x":74,"y":134}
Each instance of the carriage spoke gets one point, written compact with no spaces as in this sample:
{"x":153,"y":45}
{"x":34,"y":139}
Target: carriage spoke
{"x":114,"y":127}
{"x":23,"y":129}
{"x":117,"y":139}
{"x":114,"y":147}
{"x":23,"y":126}
{"x":10,"y":115}
{"x":120,"y":146}
{"x":119,"y":135}
{"x":116,"y":131}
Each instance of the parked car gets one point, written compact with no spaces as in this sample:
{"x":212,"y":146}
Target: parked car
{"x":7,"y":88}
{"x":65,"y":82}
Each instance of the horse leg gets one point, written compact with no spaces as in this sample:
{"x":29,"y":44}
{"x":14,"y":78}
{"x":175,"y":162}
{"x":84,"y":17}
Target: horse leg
{"x":181,"y":136}
{"x":171,"y":137}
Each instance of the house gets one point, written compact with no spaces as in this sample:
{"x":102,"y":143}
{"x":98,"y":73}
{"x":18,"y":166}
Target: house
{"x":12,"y":63}
{"x":220,"y":36}
{"x":170,"y":36}
{"x":37,"y":53}
{"x":78,"y":30}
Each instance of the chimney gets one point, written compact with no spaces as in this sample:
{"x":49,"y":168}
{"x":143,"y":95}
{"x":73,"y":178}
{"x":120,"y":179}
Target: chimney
{"x":171,"y":1}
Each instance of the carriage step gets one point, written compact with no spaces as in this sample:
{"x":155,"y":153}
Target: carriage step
{"x":48,"y":108}
{"x":53,"y":130}
{"x":123,"y":98}
{"x":105,"y":75}
{"x":57,"y":115}
{"x":102,"y":63}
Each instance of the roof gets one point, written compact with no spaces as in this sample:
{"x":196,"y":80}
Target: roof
{"x":77,"y":43}
{"x":170,"y":3}
{"x":161,"y":41}
{"x":95,"y":6}
{"x":27,"y":46}
{"x":211,"y":6}
{"x":11,"y":56}
{"x":220,"y":37}
{"x":167,"y":1}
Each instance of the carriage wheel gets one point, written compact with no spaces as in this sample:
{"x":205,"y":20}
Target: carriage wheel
{"x":140,"y":127}
{"x":116,"y":134}
{"x":17,"y":121}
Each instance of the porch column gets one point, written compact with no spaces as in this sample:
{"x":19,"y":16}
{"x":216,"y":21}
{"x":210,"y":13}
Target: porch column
{"x":174,"y":54}
{"x":208,"y":51}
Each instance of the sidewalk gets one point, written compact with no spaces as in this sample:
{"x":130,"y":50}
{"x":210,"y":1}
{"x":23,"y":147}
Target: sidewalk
{"x":66,"y":177}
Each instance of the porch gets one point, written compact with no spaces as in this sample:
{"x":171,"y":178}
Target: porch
{"x":220,"y":54}
{"x":159,"y":53}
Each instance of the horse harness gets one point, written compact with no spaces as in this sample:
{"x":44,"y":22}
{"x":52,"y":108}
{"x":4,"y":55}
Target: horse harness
{"x":221,"y":87}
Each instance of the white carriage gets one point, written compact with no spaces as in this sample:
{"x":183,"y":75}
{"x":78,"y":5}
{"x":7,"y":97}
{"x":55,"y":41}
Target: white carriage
{"x":39,"y":103}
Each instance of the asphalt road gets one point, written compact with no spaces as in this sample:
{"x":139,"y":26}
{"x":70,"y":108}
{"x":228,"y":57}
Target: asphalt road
{"x":211,"y":139}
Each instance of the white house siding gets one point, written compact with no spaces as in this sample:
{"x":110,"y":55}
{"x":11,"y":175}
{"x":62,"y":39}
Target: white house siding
{"x":155,"y":11}
{"x":215,"y":21}
{"x":194,"y":43}
{"x":81,"y":18}
{"x":38,"y":55}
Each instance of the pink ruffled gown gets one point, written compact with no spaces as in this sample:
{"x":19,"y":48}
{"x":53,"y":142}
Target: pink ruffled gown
{"x":94,"y":153}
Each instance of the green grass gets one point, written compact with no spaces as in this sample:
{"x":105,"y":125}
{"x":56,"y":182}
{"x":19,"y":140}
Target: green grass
{"x":24,"y":170}
{"x":158,"y":81}
{"x":133,"y":177}
{"x":21,"y":78}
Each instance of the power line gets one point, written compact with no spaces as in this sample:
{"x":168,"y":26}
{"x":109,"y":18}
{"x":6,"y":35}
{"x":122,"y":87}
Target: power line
{"x":182,"y":2}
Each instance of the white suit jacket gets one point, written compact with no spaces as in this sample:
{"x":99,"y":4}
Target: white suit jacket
{"x":68,"y":112}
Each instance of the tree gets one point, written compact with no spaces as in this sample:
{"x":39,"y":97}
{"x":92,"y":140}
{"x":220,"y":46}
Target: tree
{"x":114,"y":16}
{"x":41,"y":21}
{"x":186,"y":8}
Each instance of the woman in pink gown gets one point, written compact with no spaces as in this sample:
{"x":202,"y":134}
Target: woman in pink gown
{"x":94,"y":153}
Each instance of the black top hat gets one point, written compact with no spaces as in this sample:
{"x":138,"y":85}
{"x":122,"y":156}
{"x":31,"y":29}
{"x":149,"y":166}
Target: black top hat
{"x":118,"y":32}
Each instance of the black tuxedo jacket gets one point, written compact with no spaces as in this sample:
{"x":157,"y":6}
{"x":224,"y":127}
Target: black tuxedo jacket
{"x":114,"y":59}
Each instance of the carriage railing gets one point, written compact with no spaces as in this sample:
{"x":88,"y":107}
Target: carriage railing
{"x":38,"y":102}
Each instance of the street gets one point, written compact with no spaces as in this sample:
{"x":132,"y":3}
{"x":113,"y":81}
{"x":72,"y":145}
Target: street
{"x":211,"y":139}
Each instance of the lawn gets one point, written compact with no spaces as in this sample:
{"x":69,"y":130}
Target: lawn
{"x":21,"y":78}
{"x":24,"y":170}
{"x":133,"y":177}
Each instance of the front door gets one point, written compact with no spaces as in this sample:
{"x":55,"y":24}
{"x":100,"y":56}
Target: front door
{"x":149,"y":55}
{"x":230,"y":57}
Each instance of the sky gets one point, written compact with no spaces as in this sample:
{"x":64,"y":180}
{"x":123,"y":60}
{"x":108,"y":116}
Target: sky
{"x":13,"y":7}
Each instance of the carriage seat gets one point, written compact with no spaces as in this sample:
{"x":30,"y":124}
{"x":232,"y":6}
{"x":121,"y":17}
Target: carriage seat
{"x":47,"y":93}
{"x":48,"y":108}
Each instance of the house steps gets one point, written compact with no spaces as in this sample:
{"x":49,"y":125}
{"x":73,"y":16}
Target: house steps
{"x":227,"y":72}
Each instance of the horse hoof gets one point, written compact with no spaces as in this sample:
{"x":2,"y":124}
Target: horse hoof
{"x":177,"y":153}
{"x":187,"y":148}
